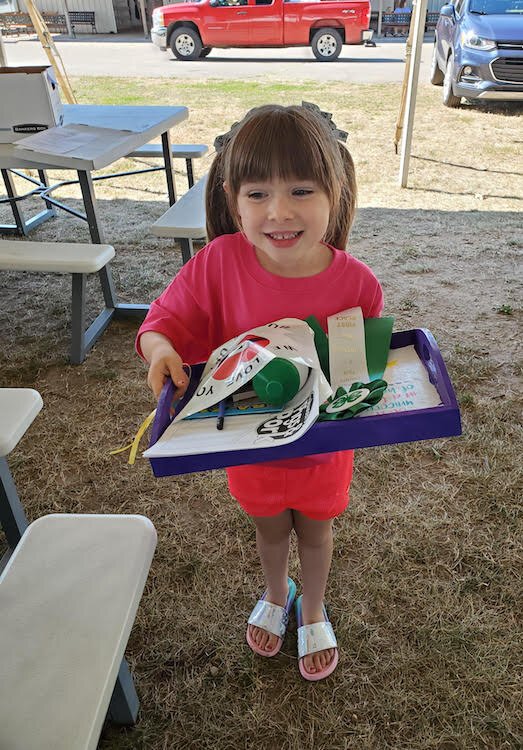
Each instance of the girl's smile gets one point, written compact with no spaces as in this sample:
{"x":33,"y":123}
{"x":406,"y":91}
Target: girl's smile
{"x":283,"y":239}
{"x":286,"y":221}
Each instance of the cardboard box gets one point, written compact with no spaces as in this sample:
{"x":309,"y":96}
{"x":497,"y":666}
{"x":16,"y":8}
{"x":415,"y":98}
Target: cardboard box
{"x":30,"y":101}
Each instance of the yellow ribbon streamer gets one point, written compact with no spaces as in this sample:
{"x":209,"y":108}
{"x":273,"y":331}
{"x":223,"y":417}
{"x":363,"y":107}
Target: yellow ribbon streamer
{"x":134,"y":445}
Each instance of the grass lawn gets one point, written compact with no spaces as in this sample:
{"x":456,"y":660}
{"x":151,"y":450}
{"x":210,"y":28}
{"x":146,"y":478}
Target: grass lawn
{"x":425,"y":592}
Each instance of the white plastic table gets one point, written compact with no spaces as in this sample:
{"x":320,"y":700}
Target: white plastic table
{"x":111,"y":132}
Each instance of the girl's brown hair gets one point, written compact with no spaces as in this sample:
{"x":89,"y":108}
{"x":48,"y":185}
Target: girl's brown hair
{"x":283,"y":142}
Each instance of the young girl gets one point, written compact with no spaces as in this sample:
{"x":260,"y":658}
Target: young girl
{"x":280,"y":201}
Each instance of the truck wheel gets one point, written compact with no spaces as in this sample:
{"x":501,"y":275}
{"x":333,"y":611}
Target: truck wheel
{"x":449,"y":98}
{"x":326,"y":44}
{"x":205,"y":51}
{"x":186,"y":44}
{"x":436,"y":76}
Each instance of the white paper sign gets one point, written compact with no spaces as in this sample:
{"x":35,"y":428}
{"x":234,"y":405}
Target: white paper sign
{"x":196,"y":436}
{"x":347,"y":357}
{"x":237,"y":361}
{"x":231,"y":366}
{"x":409,"y":385}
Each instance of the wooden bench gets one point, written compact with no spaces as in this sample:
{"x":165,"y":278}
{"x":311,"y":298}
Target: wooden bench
{"x":21,"y":23}
{"x":16,"y":23}
{"x":431,"y":21}
{"x":187,"y":151}
{"x":391,"y":22}
{"x":68,"y":599}
{"x":80,"y":260}
{"x":82,"y":17}
{"x":185,"y":220}
{"x":55,"y":22}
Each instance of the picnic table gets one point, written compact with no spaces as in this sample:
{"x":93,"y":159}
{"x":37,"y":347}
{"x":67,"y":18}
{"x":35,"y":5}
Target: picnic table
{"x":102,"y":134}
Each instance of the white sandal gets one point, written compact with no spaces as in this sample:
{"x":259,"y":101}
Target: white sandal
{"x":313,"y":638}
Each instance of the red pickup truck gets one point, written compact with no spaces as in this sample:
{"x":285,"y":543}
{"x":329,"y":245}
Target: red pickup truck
{"x":193,"y":27}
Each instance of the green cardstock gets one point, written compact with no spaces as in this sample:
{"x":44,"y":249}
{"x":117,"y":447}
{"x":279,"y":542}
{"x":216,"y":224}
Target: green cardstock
{"x":321,"y":342}
{"x":378,"y":332}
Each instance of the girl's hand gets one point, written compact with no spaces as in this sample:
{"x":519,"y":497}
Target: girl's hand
{"x":167,"y":363}
{"x":164,"y":361}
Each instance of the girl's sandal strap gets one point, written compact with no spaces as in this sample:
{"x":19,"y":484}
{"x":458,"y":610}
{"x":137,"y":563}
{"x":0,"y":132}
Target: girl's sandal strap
{"x":269,"y":617}
{"x":316,"y":637}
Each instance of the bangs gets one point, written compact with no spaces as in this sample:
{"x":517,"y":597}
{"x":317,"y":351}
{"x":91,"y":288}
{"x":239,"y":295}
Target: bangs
{"x":280,"y":143}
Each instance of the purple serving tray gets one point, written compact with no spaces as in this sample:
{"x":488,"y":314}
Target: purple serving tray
{"x":325,"y":437}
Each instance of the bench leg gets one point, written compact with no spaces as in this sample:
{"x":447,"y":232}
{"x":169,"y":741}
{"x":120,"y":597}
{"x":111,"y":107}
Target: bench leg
{"x":12,"y":517}
{"x":190,"y":175}
{"x":78,"y":318}
{"x":109,"y":292}
{"x":124,"y":705}
{"x":82,"y":339}
{"x":169,"y":167}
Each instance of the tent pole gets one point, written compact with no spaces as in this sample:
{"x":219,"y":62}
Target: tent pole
{"x":3,"y":55}
{"x":143,"y":13}
{"x":406,"y":72}
{"x":420,"y":17}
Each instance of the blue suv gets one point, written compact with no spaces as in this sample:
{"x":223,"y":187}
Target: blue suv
{"x":478,"y":51}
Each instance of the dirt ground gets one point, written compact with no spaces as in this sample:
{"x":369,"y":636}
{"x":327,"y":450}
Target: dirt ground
{"x":425,"y":591}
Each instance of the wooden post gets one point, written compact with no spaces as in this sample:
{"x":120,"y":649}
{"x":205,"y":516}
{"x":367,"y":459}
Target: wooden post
{"x":401,"y":114}
{"x":51,"y":51}
{"x":420,"y":11}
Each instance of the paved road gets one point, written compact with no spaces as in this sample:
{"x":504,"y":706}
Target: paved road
{"x":132,"y":56}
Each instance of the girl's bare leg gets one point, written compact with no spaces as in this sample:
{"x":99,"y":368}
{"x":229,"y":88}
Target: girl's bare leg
{"x":315,"y":550}
{"x":272,"y":541}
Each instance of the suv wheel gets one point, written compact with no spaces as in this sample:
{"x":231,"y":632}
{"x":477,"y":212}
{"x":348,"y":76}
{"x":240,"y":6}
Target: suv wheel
{"x":186,"y":44}
{"x":436,"y":76}
{"x":449,"y":99}
{"x":326,"y":44}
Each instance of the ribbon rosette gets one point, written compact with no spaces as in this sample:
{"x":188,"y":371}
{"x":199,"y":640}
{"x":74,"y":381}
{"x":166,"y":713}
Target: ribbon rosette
{"x":347,"y":402}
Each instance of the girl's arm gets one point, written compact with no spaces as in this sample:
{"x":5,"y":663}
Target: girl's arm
{"x":163,"y":361}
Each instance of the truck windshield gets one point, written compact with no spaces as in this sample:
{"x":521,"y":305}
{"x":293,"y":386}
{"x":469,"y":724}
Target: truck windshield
{"x":495,"y":7}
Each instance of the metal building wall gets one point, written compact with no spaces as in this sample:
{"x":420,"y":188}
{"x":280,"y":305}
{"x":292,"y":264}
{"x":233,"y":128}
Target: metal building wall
{"x":105,"y":20}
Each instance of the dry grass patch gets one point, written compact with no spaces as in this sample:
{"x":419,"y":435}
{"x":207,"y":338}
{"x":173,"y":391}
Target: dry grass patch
{"x":425,"y":592}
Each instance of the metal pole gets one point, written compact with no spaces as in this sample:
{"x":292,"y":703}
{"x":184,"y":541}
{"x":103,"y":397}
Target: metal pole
{"x":143,"y":13}
{"x":67,"y":19}
{"x":420,"y":11}
{"x":3,"y":54}
{"x":380,"y":14}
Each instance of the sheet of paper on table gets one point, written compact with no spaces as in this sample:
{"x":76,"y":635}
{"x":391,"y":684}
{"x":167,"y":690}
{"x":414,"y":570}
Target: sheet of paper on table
{"x":71,"y":140}
{"x":117,"y":119}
